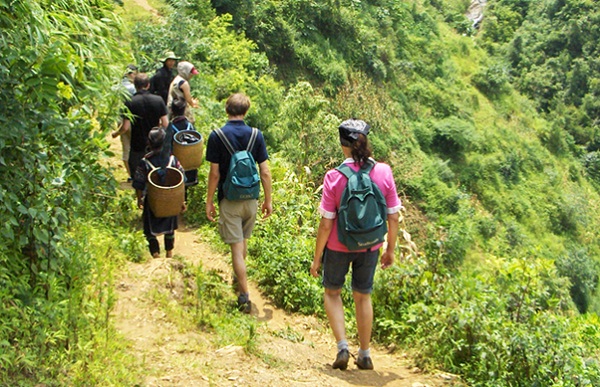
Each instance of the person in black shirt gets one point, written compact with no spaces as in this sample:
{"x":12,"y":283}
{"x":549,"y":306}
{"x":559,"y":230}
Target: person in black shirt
{"x":143,"y":112}
{"x":161,"y":80}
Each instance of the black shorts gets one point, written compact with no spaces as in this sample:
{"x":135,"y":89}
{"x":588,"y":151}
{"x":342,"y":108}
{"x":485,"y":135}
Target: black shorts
{"x":336,"y":265}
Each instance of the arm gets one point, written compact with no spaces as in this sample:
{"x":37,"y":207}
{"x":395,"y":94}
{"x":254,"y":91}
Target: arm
{"x":140,"y":198}
{"x":387,"y":258}
{"x":123,"y":128}
{"x":185,"y":88}
{"x":213,"y":181}
{"x":265,"y":178}
{"x":164,"y":121}
{"x":325,"y":227}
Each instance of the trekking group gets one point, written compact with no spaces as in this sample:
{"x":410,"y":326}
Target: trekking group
{"x":359,"y":206}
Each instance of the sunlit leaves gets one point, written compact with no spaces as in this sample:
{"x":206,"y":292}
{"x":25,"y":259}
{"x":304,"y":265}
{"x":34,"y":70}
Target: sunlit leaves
{"x":56,"y":67}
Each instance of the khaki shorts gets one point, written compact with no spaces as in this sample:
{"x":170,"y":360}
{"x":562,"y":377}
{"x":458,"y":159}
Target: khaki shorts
{"x":126,"y":142}
{"x":237,"y":219}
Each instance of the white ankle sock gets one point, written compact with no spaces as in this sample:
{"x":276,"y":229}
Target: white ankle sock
{"x":342,"y":344}
{"x":364,"y":353}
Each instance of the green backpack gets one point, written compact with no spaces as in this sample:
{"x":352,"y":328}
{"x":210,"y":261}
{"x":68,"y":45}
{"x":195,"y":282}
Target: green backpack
{"x":362,"y":216}
{"x":242,"y":181}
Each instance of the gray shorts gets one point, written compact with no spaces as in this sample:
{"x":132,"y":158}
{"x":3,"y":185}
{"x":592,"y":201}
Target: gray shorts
{"x":336,"y":265}
{"x":237,"y":219}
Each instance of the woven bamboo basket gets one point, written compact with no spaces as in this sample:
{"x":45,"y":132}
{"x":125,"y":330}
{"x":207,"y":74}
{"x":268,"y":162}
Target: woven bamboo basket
{"x":189,"y":155}
{"x":166,"y":199}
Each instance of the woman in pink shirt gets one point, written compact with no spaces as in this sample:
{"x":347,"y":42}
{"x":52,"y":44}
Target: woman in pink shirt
{"x":336,"y":258}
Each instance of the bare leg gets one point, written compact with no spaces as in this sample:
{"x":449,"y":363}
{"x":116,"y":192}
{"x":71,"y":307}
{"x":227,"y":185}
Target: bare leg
{"x":238,"y":256}
{"x":335,"y":313}
{"x":127,"y":168}
{"x":364,"y":318}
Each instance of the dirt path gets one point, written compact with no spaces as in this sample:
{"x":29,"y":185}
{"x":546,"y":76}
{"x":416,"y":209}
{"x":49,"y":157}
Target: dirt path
{"x":144,"y":4}
{"x":172,"y":357}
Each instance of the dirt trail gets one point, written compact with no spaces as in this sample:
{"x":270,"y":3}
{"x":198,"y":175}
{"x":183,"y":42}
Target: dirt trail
{"x":171,"y":357}
{"x":175,"y":358}
{"x":144,"y":4}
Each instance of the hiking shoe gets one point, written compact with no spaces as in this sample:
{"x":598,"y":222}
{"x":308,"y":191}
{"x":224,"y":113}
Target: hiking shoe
{"x":341,"y":360}
{"x":244,"y":304}
{"x":364,"y":363}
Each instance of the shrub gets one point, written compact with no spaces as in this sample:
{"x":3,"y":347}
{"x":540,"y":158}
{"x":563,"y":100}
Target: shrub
{"x":453,"y":136}
{"x":591,"y":162}
{"x":282,"y":246}
{"x":493,"y":81}
{"x":582,"y":271}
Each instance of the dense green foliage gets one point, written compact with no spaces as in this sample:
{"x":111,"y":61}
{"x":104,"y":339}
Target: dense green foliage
{"x":491,"y":136}
{"x":56,"y":64}
{"x":551,"y":51}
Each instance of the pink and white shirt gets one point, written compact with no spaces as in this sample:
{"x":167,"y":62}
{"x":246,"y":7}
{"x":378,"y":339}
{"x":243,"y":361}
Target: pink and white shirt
{"x":333,"y":188}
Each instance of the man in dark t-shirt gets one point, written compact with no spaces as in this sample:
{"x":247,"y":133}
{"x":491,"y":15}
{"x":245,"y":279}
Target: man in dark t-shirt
{"x":143,"y":112}
{"x":161,"y":81}
{"x":237,"y":217}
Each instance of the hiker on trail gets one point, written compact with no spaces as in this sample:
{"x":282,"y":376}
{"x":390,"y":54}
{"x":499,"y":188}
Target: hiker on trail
{"x":237,"y":217}
{"x":129,"y":87}
{"x":335,"y":258}
{"x":180,"y":88}
{"x":161,"y":80}
{"x":178,"y":123}
{"x":143,"y":112}
{"x":154,"y":226}
{"x":127,"y":81}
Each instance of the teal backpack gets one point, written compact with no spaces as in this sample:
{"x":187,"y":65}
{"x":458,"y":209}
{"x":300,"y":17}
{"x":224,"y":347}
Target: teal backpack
{"x":362,"y":216}
{"x":242,"y":181}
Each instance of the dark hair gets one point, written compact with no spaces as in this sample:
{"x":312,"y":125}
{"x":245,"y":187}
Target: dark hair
{"x":361,"y":151}
{"x":156,"y":138}
{"x":353,"y":134}
{"x":178,"y":107}
{"x":141,"y":81}
{"x":237,"y":104}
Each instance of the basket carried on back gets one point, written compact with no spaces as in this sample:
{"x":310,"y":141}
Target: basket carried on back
{"x":166,"y":199}
{"x":189,"y":153}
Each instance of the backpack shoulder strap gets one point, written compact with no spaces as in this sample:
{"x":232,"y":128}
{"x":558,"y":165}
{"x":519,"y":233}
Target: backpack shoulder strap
{"x":345,"y":170}
{"x":348,"y":172}
{"x":368,"y":166}
{"x":174,"y":128}
{"x":225,"y":141}
{"x":149,"y":163}
{"x":252,"y":139}
{"x":172,"y":161}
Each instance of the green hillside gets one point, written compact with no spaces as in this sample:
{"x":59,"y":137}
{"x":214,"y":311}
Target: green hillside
{"x":491,"y":133}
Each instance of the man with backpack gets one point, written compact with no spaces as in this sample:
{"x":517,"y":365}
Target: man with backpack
{"x":359,"y":206}
{"x":233,"y":151}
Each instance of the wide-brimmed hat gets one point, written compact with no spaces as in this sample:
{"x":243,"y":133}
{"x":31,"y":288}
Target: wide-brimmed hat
{"x":169,"y":55}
